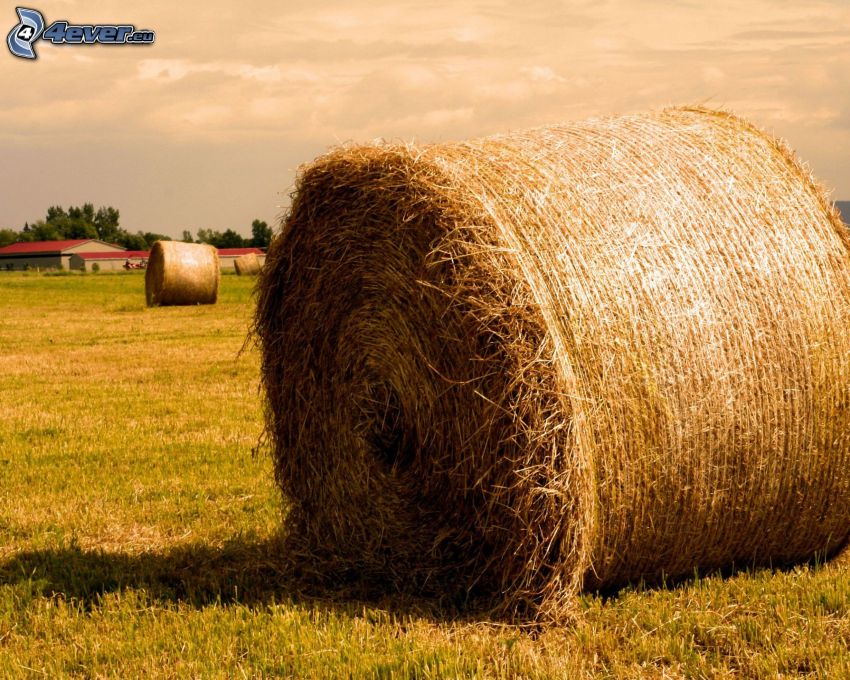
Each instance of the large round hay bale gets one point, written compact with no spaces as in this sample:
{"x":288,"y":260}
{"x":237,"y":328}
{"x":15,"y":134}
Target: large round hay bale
{"x":182,"y":274}
{"x":247,"y":265}
{"x":565,"y":358}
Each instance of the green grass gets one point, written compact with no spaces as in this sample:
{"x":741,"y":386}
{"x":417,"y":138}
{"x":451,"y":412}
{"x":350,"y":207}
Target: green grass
{"x":140,"y":534}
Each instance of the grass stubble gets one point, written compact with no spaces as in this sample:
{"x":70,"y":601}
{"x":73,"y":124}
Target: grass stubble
{"x":140,"y":534}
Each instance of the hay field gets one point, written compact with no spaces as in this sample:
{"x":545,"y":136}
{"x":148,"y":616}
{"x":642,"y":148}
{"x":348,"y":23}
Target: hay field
{"x":138,"y":532}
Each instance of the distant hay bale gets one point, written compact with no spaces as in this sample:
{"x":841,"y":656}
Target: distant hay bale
{"x":247,"y":265}
{"x":560,"y":359}
{"x":182,"y":274}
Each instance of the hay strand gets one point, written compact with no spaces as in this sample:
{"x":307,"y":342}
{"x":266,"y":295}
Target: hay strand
{"x":566,"y":358}
{"x":182,"y":274}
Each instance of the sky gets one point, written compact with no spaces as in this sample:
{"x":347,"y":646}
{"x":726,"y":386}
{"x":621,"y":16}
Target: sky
{"x":207,"y":127}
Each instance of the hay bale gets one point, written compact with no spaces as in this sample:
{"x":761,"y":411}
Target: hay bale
{"x":182,"y":274}
{"x":247,"y":265}
{"x":566,"y":358}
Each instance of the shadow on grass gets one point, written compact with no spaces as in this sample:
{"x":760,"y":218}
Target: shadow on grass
{"x":836,"y":558}
{"x":255,"y":573}
{"x":243,"y":572}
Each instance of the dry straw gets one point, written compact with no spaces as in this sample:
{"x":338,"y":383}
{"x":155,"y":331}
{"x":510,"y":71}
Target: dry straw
{"x":182,"y":274}
{"x":561,"y":359}
{"x":247,"y":265}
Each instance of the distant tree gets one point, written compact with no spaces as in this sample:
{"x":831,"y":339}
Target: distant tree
{"x":46,"y":231}
{"x":78,"y":222}
{"x":106,"y":224}
{"x":209,"y":236}
{"x":151,"y":238}
{"x":231,"y":239}
{"x":54,"y":213}
{"x":132,"y":241}
{"x":228,"y":239}
{"x":84,"y":213}
{"x":77,"y":227}
{"x":26,"y":233}
{"x":8,"y":236}
{"x":141,"y":240}
{"x":261,"y":234}
{"x":187,"y":236}
{"x":56,"y":225}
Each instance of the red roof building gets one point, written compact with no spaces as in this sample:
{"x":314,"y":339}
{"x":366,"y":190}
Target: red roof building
{"x":115,"y":255}
{"x":236,"y":252}
{"x":50,"y":254}
{"x":108,"y":260}
{"x":42,"y":247}
{"x":82,"y":254}
{"x":226,"y":256}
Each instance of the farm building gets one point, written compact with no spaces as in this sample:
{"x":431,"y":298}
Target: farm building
{"x":226,"y":256}
{"x":107,"y":260}
{"x":844,"y":209}
{"x":50,"y":254}
{"x":83,"y":254}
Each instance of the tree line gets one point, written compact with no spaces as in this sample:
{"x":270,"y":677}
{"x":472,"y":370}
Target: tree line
{"x":79,"y":222}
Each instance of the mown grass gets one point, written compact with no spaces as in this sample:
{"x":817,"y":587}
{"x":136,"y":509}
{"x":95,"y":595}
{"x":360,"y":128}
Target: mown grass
{"x":139,"y":535}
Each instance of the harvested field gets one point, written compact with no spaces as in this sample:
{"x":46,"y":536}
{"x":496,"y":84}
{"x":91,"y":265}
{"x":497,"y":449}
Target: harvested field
{"x":139,"y":533}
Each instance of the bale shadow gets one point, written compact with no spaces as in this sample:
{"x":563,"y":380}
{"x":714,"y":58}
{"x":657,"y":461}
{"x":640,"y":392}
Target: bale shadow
{"x":243,"y":572}
{"x":252,"y":572}
{"x":837,"y":559}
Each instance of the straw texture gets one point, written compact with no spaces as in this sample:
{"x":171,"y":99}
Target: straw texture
{"x":182,"y":274}
{"x":247,"y":265}
{"x":565,"y":358}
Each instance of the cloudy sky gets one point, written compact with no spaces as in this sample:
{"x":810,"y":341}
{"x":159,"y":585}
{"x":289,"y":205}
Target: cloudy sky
{"x":205,"y":128}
